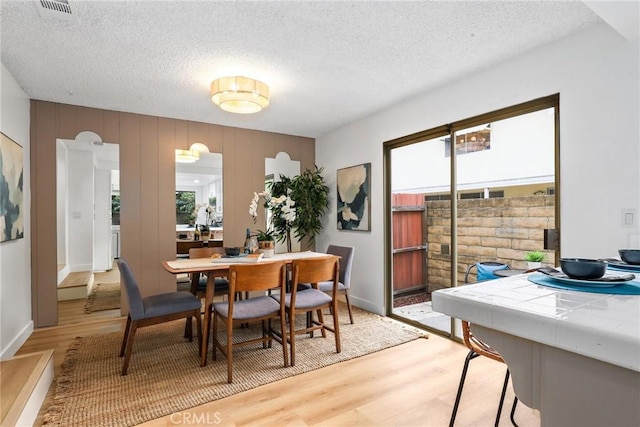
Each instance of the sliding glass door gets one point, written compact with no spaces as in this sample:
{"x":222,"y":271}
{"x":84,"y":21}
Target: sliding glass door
{"x":420,"y":188}
{"x":482,"y":190}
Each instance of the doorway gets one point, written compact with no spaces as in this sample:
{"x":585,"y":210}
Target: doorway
{"x":482,"y":189}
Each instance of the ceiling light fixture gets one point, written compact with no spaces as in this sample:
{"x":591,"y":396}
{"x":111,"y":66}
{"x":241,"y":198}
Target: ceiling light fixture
{"x":239,"y":94}
{"x":191,"y":155}
{"x":187,"y":156}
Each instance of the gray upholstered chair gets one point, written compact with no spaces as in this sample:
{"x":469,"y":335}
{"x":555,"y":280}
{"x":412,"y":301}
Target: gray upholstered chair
{"x":308,"y":301}
{"x":254,"y":277}
{"x":346,"y":261}
{"x":153,"y":310}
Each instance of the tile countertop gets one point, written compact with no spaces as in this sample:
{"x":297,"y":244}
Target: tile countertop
{"x":601,"y":326}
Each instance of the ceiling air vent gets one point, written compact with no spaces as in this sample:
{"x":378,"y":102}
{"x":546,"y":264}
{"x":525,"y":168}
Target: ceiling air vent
{"x":55,"y":9}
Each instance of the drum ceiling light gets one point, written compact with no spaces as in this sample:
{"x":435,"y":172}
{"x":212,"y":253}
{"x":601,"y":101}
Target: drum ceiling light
{"x":240,"y":94}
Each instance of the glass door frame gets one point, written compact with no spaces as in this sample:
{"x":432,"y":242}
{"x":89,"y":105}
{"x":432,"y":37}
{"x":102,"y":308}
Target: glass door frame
{"x":551,"y":101}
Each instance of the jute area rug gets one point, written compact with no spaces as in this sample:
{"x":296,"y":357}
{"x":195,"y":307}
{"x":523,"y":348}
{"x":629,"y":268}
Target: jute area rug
{"x":103,"y":296}
{"x":164,"y":375}
{"x":106,"y":296}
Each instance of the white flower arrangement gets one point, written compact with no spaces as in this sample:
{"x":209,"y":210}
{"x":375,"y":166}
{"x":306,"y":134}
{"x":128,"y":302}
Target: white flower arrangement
{"x":282,"y":203}
{"x":208,"y":212}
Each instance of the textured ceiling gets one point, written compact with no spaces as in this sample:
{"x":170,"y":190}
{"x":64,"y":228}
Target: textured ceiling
{"x":327,"y":63}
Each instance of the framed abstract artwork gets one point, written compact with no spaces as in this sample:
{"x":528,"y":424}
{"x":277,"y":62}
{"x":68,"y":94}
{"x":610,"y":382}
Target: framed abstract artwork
{"x":354,"y":205}
{"x":11,"y":194}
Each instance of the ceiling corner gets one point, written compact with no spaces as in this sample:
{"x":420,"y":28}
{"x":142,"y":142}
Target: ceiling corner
{"x":622,"y":16}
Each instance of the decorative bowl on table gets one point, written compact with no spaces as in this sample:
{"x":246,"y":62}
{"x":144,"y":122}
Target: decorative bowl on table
{"x":232,"y":251}
{"x":583,"y":268}
{"x":630,"y":256}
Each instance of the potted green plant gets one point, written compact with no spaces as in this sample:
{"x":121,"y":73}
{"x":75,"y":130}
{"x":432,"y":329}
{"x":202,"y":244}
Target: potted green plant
{"x":266,"y":242}
{"x":310,"y":195}
{"x":534,"y":259}
{"x":266,"y":239}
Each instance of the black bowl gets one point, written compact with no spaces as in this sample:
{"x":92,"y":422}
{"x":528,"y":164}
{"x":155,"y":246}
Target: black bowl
{"x":630,"y":256}
{"x":232,"y":251}
{"x":582,"y":268}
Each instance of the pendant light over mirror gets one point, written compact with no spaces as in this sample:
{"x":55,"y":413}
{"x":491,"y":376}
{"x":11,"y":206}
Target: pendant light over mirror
{"x":191,"y":155}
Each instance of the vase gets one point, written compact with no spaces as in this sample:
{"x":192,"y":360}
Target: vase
{"x":266,"y":244}
{"x":533,"y":265}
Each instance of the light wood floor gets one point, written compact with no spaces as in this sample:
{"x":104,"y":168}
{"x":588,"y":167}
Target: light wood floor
{"x":409,"y":385}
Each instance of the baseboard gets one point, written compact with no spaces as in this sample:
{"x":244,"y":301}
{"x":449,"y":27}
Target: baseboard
{"x":17,"y":342}
{"x":81,"y":267}
{"x":366,"y":305}
{"x":62,"y":274}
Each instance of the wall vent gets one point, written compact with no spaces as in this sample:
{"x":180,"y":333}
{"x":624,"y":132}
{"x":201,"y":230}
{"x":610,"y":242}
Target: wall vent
{"x":56,"y":9}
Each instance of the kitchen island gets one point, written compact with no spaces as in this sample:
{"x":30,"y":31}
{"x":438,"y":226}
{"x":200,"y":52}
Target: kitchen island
{"x":575,"y":356}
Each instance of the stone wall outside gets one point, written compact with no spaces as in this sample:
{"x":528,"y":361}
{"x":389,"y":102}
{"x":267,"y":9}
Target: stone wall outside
{"x":498,"y":229}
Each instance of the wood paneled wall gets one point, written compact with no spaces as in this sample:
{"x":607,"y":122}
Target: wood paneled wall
{"x":147,"y":186}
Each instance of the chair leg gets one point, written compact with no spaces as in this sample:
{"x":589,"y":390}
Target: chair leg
{"x":215,"y":335}
{"x":285,"y":351}
{"x":323,"y":330}
{"x":504,"y":392}
{"x":292,"y":336}
{"x":265,"y":344}
{"x":126,"y":336}
{"x":229,"y":323}
{"x":129,"y":347}
{"x":471,"y":355}
{"x":199,"y":326}
{"x":309,"y":316}
{"x":513,"y":411}
{"x":336,"y":327}
{"x":206,"y":334}
{"x":346,"y":297}
{"x":187,"y":327}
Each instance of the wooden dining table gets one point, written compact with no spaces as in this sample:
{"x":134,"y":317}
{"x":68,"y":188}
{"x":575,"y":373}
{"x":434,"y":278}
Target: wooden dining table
{"x":220,"y":268}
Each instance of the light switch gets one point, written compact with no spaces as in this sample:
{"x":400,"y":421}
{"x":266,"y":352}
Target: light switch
{"x":628,"y":217}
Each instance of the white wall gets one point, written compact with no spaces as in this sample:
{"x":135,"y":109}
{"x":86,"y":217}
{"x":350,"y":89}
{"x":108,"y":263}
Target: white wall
{"x":102,"y":221}
{"x":15,"y":256}
{"x":80,"y":206}
{"x":597,"y":75}
{"x":61,"y":203}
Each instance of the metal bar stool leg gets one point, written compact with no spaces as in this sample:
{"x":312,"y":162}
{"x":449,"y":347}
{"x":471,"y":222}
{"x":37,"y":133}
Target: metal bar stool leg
{"x":513,"y":411}
{"x":504,"y":392}
{"x":471,"y":355}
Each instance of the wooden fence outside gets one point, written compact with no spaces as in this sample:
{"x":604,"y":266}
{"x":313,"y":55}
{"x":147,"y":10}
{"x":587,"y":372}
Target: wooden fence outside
{"x":497,"y":229}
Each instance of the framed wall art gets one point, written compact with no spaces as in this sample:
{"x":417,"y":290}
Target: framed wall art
{"x":11,"y":190}
{"x":354,"y":205}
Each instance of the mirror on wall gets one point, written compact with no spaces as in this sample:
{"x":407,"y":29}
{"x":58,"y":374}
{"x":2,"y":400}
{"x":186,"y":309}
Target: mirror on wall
{"x":199,"y":198}
{"x":273,"y":168}
{"x":87,"y":183}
